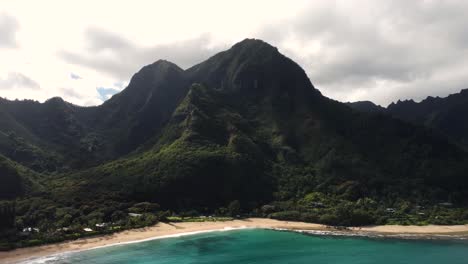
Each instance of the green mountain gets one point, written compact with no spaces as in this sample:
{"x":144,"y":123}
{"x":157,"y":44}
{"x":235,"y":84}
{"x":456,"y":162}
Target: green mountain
{"x":447,"y":116}
{"x":15,"y":181}
{"x":57,"y":135}
{"x":244,"y":129}
{"x":366,"y":106}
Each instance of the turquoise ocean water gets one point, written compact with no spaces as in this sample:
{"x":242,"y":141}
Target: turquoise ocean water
{"x":267,"y":246}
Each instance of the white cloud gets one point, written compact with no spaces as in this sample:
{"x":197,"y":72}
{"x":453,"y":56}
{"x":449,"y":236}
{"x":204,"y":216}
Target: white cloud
{"x":118,"y":57}
{"x":379,"y":50}
{"x":16,"y":80}
{"x":352,"y":50}
{"x":51,"y":29}
{"x":8,"y":28}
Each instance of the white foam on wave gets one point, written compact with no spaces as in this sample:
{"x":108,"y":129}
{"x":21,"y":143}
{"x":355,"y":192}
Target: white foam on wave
{"x":43,"y":260}
{"x":375,"y":235}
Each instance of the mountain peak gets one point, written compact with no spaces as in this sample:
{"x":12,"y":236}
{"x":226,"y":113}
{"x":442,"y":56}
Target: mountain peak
{"x":159,"y":66}
{"x":464,"y":91}
{"x":161,"y":63}
{"x":253,"y":67}
{"x":55,"y":100}
{"x":254,"y":49}
{"x":253,"y":43}
{"x":153,"y":73}
{"x":366,"y":106}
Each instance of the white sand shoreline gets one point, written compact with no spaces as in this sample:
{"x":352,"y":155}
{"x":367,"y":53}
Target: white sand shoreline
{"x":136,"y":241}
{"x":163,"y":237}
{"x":168,"y":230}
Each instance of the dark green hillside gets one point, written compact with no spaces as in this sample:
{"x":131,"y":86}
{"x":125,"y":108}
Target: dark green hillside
{"x":203,"y":158}
{"x":447,"y":115}
{"x":80,"y":137}
{"x":44,"y":137}
{"x":244,"y":132}
{"x":366,"y":106}
{"x":12,"y":184}
{"x":139,"y":112}
{"x":238,"y":139}
{"x":15,"y":182}
{"x":18,"y":181}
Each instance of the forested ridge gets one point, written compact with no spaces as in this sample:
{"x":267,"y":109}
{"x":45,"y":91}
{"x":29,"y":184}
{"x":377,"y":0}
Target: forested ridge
{"x":244,"y":133}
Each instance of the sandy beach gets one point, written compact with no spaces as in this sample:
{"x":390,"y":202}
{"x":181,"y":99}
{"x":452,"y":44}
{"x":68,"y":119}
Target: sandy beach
{"x":174,"y":229}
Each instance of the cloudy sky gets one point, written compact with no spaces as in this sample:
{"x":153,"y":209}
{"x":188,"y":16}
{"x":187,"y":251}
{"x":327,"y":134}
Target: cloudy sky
{"x":85,"y":51}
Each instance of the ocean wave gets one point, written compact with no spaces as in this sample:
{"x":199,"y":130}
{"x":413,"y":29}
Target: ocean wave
{"x":45,"y":260}
{"x":374,"y":234}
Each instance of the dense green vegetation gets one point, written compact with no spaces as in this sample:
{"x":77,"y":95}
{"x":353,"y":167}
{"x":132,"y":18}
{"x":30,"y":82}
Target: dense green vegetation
{"x":446,"y":115}
{"x":244,"y":133}
{"x":318,"y":208}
